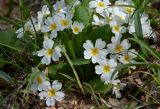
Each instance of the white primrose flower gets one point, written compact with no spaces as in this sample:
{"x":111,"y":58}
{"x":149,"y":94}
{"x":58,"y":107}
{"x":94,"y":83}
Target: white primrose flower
{"x":117,"y":47}
{"x":128,"y":57}
{"x":43,"y":13}
{"x":51,"y":93}
{"x":117,"y":28}
{"x":99,"y":5}
{"x":96,"y":52}
{"x":97,"y":21}
{"x":39,"y":82}
{"x":49,"y":52}
{"x":119,"y":15}
{"x":65,"y":20}
{"x":116,"y":85}
{"x":146,"y":27}
{"x":52,"y":25}
{"x":106,"y":69}
{"x":28,"y":29}
{"x":127,"y":9}
{"x":76,"y":3}
{"x":107,"y":16}
{"x":60,"y":7}
{"x":77,"y":27}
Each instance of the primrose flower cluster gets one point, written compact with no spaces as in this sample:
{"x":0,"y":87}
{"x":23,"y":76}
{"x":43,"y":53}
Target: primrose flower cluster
{"x":119,"y":15}
{"x":106,"y":57}
{"x":48,"y":24}
{"x":49,"y":92}
{"x":119,"y":50}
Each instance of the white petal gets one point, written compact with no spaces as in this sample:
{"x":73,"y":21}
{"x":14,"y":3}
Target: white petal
{"x":45,"y":29}
{"x":59,"y":96}
{"x":100,"y":44}
{"x":112,"y":63}
{"x":49,"y":21}
{"x":19,"y":30}
{"x":98,"y":69}
{"x":46,"y":60}
{"x":125,"y":43}
{"x":88,"y":45}
{"x":43,"y":95}
{"x":95,"y":59}
{"x":48,"y":43}
{"x":99,"y":10}
{"x":87,"y":54}
{"x":106,"y":76}
{"x":50,"y":102}
{"x":40,"y":87}
{"x":46,"y":85}
{"x":56,"y":85}
{"x":34,"y":87}
{"x":92,"y":4}
{"x":41,"y":52}
{"x":53,"y":34}
{"x":56,"y":55}
{"x":20,"y":35}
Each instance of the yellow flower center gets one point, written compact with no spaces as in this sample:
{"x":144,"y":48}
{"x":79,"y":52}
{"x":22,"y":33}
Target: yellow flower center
{"x":106,"y":69}
{"x":117,"y":28}
{"x":39,"y":80}
{"x":126,"y":58}
{"x":118,"y":48}
{"x":49,"y":52}
{"x":51,"y":92}
{"x":129,"y":10}
{"x":53,"y":26}
{"x":101,"y":4}
{"x":64,"y":23}
{"x":94,"y":51}
{"x":76,"y":29}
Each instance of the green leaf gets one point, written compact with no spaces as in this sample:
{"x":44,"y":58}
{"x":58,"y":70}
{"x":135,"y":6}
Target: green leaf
{"x":8,"y":39}
{"x":137,"y":24}
{"x":103,"y":32}
{"x":68,"y":44}
{"x":70,"y":2}
{"x":53,"y":69}
{"x":99,"y":86}
{"x":82,"y":15}
{"x":80,"y":62}
{"x":85,"y":3}
{"x":5,"y":77}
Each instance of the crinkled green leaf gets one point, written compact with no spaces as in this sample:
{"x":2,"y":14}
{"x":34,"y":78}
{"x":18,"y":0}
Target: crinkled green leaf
{"x":55,"y":67}
{"x":8,"y":39}
{"x":82,"y":15}
{"x":99,"y":86}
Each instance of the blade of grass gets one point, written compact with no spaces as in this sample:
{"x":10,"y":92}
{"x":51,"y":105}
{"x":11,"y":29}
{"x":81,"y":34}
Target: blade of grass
{"x":73,"y":68}
{"x":149,"y":49}
{"x":5,"y":77}
{"x":9,"y":20}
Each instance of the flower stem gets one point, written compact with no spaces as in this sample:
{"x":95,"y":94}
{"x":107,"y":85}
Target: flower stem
{"x":72,"y":66}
